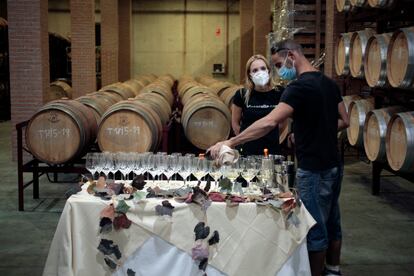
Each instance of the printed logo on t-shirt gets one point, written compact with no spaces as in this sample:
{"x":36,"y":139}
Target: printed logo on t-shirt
{"x":261,"y":106}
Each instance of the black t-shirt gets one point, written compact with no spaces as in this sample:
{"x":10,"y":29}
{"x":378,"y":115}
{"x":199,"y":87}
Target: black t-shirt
{"x":314,"y":98}
{"x":260,"y":104}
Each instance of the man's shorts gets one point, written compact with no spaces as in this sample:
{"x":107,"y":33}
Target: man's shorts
{"x":319,"y":191}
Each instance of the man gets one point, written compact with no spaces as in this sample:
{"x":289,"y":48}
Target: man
{"x":315,"y":104}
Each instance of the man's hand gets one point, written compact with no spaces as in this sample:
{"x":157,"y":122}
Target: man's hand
{"x":215,"y":149}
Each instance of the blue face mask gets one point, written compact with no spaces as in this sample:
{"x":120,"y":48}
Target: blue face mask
{"x":287,"y":73}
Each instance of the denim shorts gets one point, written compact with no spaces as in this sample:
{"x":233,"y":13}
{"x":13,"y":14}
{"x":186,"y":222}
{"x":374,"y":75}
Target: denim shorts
{"x":319,"y":192}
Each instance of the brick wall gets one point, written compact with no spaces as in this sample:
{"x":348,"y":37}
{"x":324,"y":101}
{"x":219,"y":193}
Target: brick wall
{"x":28,"y":58}
{"x":125,"y":33}
{"x":82,"y":19}
{"x":109,"y":41}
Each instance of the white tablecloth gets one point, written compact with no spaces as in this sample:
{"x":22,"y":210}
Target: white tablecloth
{"x":254,"y":240}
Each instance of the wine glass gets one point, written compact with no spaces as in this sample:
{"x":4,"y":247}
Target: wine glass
{"x":214,"y":172}
{"x":147,"y":161}
{"x":171,"y":162}
{"x":107,"y":163}
{"x":249,"y":174}
{"x":185,"y":167}
{"x":120,"y":163}
{"x":176,"y":165}
{"x":200,"y":167}
{"x":91,"y":163}
{"x":130,"y":163}
{"x":156,"y":169}
{"x":138,"y":163}
{"x":231,"y":172}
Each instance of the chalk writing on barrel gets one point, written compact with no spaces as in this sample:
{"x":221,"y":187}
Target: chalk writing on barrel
{"x":51,"y":133}
{"x":204,"y":124}
{"x":123,"y":131}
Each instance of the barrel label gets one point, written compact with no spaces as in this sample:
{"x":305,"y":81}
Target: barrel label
{"x":123,"y":131}
{"x":202,"y":124}
{"x":51,"y":133}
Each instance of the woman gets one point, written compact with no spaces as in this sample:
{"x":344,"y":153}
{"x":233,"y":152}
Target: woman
{"x":253,"y":102}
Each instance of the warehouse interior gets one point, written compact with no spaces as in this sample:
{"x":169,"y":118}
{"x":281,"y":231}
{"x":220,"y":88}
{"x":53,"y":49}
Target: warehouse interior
{"x":83,"y":51}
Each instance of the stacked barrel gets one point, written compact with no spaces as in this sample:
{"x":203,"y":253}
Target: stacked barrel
{"x":382,"y":59}
{"x":346,"y":5}
{"x":57,"y":90}
{"x":130,"y":117}
{"x":136,"y":123}
{"x":205,"y":118}
{"x":63,"y":130}
{"x":386,"y":134}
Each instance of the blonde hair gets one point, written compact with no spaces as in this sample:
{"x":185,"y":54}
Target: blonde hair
{"x":249,"y":84}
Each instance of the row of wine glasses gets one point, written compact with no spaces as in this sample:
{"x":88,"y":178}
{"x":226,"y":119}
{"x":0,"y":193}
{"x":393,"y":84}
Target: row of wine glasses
{"x":156,"y":165}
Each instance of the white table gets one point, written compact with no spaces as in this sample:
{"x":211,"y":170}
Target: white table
{"x":254,"y":240}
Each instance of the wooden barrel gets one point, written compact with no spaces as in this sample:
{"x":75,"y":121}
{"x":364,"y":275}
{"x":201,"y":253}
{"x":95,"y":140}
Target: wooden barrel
{"x":135,"y":85}
{"x":122,"y":90}
{"x":110,"y":96}
{"x":359,"y":3}
{"x":343,"y":5}
{"x":57,"y":90}
{"x":400,"y":58}
{"x":375,"y":130}
{"x":206,"y":120}
{"x":151,"y":76}
{"x":97,"y":104}
{"x":168,"y":79}
{"x":357,"y":113}
{"x":375,"y":63}
{"x":205,"y":80}
{"x":219,"y":86}
{"x":347,"y":101}
{"x":193,"y":91}
{"x":144,"y":80}
{"x":357,"y":52}
{"x":158,"y":104}
{"x":399,"y":142}
{"x":162,"y":83}
{"x":160,"y":89}
{"x":186,"y":86}
{"x":342,"y":54}
{"x":130,"y":126}
{"x":380,"y":3}
{"x":184,"y":80}
{"x":147,"y":78}
{"x":61,"y":131}
{"x":228,"y":94}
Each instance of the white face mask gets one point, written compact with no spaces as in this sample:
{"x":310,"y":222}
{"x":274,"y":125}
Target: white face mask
{"x":260,"y":78}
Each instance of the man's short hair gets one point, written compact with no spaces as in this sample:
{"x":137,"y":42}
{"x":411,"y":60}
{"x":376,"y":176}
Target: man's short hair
{"x":282,"y":47}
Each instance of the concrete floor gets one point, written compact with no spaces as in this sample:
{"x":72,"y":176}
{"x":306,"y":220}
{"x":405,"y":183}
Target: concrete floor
{"x":378,"y":230}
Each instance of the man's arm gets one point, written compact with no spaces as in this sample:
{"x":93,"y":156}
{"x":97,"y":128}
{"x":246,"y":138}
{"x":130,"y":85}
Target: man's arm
{"x":343,"y":121}
{"x":258,"y":129}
